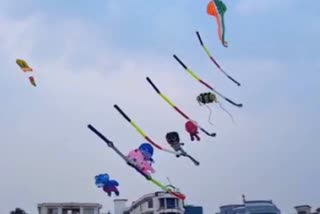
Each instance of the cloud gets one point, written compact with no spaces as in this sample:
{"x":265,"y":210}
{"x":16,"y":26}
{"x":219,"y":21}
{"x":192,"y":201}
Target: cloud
{"x":48,"y":154}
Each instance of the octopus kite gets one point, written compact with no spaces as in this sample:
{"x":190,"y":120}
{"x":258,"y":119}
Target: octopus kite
{"x":142,"y":158}
{"x":192,"y":129}
{"x":217,"y":9}
{"x":109,"y":186}
{"x":26,"y":68}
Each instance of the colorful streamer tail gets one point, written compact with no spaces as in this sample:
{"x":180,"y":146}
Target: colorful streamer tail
{"x":204,"y":83}
{"x":141,"y":132}
{"x":176,"y":108}
{"x":214,"y":61}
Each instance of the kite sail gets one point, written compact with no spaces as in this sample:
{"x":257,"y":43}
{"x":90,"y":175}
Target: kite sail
{"x":204,"y":83}
{"x":177,"y":109}
{"x":26,"y":68}
{"x":148,"y":177}
{"x":214,"y":61}
{"x":103,"y":181}
{"x":141,"y":132}
{"x":217,"y":9}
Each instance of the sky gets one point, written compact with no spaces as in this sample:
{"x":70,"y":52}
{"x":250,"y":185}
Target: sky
{"x":90,"y":55}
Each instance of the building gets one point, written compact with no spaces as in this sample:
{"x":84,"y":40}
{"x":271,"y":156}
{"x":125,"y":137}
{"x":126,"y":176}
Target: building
{"x":306,"y":209}
{"x":69,"y":208}
{"x":153,"y":203}
{"x":251,"y":207}
{"x":190,"y":209}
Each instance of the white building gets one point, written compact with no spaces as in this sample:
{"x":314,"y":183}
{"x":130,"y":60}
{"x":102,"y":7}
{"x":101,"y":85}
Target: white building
{"x":306,"y":209}
{"x":69,"y":208}
{"x":153,"y":203}
{"x":250,"y":207}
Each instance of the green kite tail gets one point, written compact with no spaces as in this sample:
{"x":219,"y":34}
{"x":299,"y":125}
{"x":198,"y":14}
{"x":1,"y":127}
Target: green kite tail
{"x":222,"y":8}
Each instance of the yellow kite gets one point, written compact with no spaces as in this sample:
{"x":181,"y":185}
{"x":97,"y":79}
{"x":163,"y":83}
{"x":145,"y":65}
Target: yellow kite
{"x":26,"y":68}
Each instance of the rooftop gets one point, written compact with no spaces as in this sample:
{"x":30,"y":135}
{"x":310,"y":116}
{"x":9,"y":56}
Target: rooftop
{"x":69,"y":204}
{"x":259,"y":201}
{"x":302,"y":206}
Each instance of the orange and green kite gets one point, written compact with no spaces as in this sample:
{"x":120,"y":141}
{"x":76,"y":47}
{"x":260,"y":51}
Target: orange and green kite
{"x":217,"y":9}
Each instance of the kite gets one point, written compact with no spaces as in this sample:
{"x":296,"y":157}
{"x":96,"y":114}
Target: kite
{"x":204,"y":83}
{"x":214,"y":61}
{"x":139,"y":130}
{"x":140,"y":161}
{"x":103,"y":181}
{"x":26,"y":68}
{"x":148,"y":177}
{"x":217,"y":9}
{"x":192,"y":129}
{"x":208,"y":98}
{"x":178,"y":110}
{"x":174,"y":140}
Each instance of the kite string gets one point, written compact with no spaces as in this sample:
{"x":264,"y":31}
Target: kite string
{"x":230,"y":115}
{"x":210,"y":113}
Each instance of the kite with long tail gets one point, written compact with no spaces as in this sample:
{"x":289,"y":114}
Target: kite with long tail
{"x":214,"y":61}
{"x":139,"y":130}
{"x":191,"y":125}
{"x":205,"y":84}
{"x":148,"y":177}
{"x":217,"y":9}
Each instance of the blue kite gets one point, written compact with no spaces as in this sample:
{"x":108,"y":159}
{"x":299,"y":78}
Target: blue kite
{"x":103,"y":181}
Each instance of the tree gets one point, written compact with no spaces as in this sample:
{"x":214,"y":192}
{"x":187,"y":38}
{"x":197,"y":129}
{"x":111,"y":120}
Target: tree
{"x":18,"y":211}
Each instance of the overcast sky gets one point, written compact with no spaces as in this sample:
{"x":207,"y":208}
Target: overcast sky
{"x":90,"y":55}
